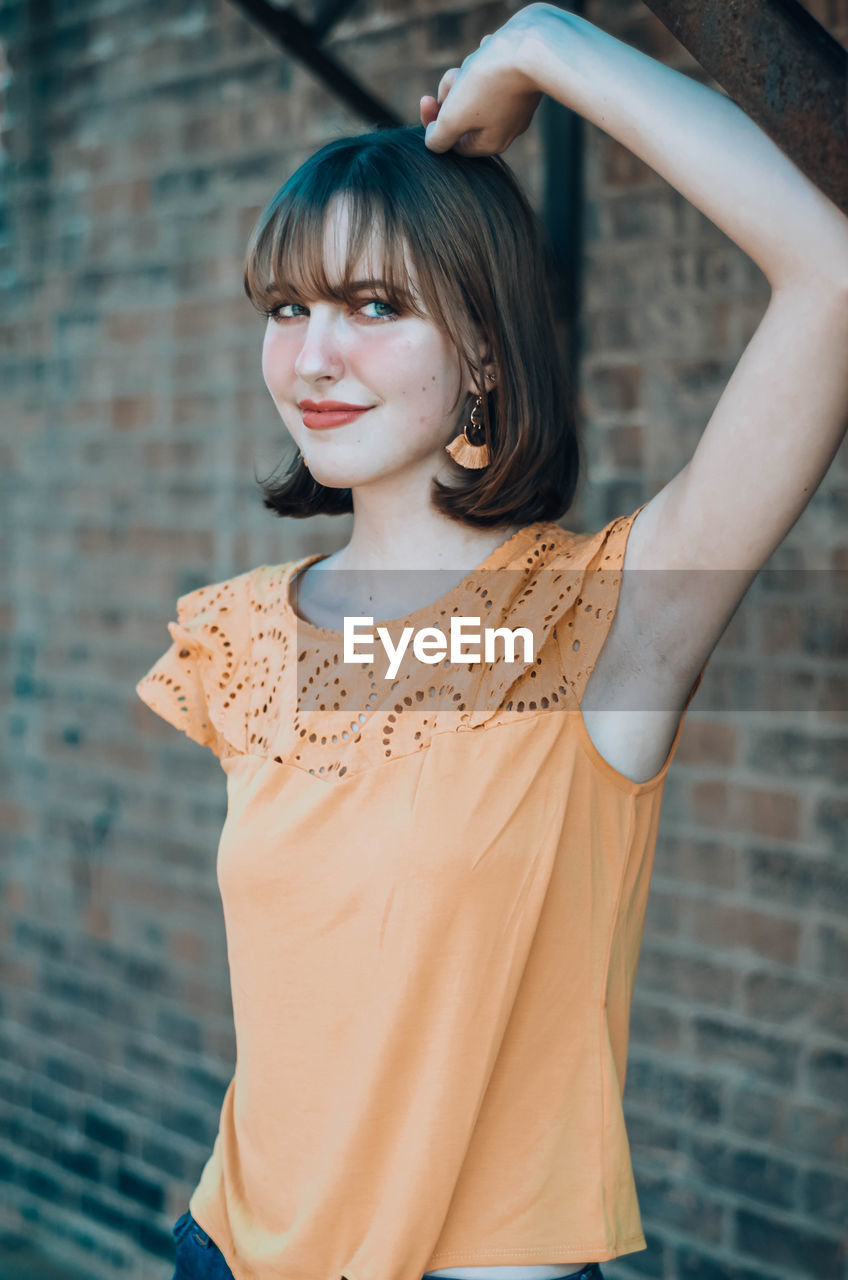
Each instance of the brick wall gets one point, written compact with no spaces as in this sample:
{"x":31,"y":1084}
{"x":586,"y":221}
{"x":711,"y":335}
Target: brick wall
{"x":138,"y":142}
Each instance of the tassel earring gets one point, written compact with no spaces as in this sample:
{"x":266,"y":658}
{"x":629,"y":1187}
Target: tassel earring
{"x":471,"y":451}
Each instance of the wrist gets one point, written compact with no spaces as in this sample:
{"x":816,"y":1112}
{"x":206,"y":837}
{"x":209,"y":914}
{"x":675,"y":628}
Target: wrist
{"x":545,"y":35}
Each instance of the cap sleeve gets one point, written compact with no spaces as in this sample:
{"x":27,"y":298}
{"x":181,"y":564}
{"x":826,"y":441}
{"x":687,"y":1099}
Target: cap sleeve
{"x":200,"y":685}
{"x":582,"y":628}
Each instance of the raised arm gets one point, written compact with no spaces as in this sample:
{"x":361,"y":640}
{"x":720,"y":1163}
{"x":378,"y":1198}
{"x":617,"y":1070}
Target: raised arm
{"x":784,"y":412}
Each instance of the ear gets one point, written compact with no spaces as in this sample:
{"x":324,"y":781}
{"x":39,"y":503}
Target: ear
{"x":490,"y":376}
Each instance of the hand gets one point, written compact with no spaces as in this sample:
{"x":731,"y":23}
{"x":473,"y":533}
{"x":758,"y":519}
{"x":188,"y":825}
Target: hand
{"x":483,"y":106}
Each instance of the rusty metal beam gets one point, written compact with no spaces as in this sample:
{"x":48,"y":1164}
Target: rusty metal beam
{"x":785,"y":71}
{"x":302,"y":40}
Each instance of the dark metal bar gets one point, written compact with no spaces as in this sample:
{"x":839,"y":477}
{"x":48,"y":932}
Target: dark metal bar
{"x":562,"y":212}
{"x":563,"y":139}
{"x":785,"y":71}
{"x":301,"y":40}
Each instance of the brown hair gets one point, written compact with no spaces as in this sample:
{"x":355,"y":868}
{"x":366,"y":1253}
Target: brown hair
{"x":479,"y":254}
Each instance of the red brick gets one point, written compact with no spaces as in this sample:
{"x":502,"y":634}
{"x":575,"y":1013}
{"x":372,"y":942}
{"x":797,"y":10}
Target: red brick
{"x":187,"y":945}
{"x":14,"y":892}
{"x":747,"y":809}
{"x":129,"y":412}
{"x":708,"y":742}
{"x":621,"y":168}
{"x":623,"y":446}
{"x":723,"y":925}
{"x":685,"y":860}
{"x":98,"y":921}
{"x":130,"y":326}
{"x":614,"y":386}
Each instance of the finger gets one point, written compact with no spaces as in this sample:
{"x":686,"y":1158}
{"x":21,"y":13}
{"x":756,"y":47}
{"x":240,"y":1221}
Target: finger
{"x":437,"y":137}
{"x":435,"y":140}
{"x":440,"y":135}
{"x":446,"y":82}
{"x":429,"y":109}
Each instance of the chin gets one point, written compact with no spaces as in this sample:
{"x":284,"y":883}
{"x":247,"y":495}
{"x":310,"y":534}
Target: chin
{"x":340,"y":475}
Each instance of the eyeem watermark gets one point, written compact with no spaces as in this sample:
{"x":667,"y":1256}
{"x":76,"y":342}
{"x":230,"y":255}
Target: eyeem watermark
{"x":430,"y":644}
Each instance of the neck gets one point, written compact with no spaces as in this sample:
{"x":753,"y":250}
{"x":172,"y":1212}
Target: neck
{"x":417,"y":539}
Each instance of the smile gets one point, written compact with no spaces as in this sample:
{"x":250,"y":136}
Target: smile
{"x":318,"y":420}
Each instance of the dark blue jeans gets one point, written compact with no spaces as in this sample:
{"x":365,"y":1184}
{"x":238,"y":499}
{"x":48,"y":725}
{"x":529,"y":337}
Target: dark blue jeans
{"x":199,"y":1258}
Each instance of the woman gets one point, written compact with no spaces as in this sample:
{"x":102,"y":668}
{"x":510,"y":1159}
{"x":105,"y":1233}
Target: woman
{"x":434,"y":886}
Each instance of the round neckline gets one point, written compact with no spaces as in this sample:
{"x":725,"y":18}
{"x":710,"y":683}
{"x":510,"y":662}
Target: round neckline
{"x":496,"y":559}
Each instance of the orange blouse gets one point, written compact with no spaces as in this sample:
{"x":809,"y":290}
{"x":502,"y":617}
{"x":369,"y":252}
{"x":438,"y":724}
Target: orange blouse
{"x":434,"y":889}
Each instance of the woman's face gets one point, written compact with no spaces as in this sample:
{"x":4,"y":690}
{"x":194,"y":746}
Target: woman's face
{"x":402,"y":365}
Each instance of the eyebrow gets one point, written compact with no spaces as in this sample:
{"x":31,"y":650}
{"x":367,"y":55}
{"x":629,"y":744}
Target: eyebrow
{"x":355,"y":286}
{"x":367,"y":284}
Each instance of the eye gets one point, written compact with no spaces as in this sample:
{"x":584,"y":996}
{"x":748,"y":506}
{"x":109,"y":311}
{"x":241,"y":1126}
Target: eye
{"x":378,"y":302}
{"x":274,"y":313}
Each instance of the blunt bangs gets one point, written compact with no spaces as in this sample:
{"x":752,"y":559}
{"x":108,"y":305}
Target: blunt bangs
{"x":288,"y":261}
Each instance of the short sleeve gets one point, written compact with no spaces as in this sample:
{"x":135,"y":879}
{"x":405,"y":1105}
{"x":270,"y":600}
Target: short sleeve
{"x":201,"y":684}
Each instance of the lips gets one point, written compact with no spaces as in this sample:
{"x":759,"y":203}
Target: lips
{"x":317,"y":420}
{"x":331,"y":406}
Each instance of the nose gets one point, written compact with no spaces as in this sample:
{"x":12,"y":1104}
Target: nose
{"x":320,"y":350}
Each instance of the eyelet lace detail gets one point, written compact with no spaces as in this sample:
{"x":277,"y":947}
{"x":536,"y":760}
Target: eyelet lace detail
{"x":243,"y":676}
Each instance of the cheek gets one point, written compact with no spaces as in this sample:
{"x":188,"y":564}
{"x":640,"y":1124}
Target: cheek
{"x":426,"y":373}
{"x":272,"y":358}
{"x":267,"y":360}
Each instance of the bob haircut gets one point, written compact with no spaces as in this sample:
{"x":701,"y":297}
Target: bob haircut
{"x":479,"y":253}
